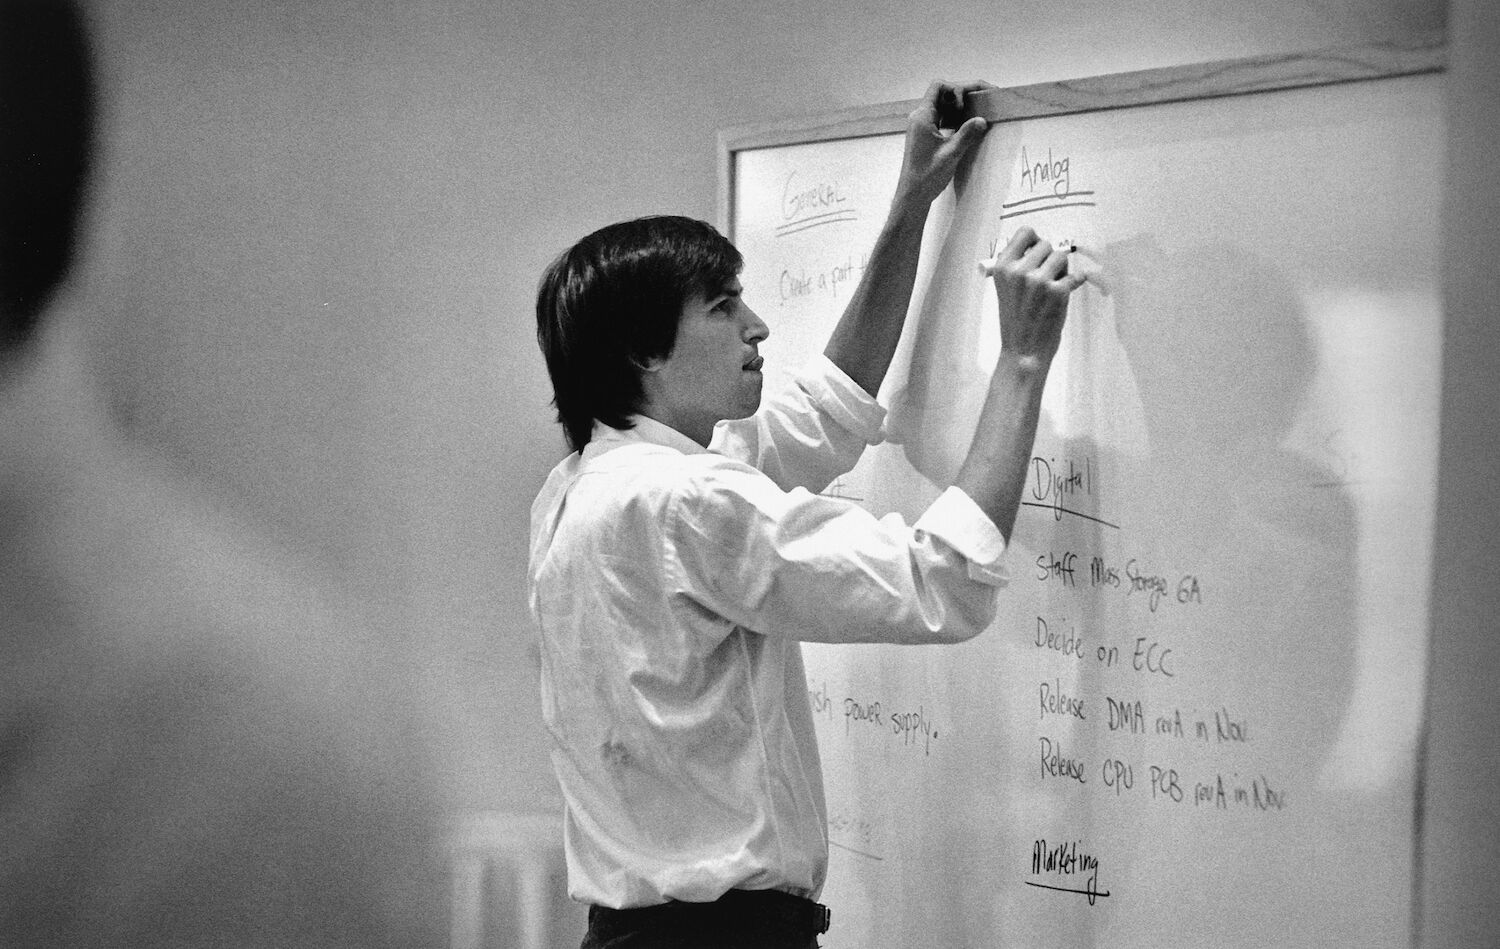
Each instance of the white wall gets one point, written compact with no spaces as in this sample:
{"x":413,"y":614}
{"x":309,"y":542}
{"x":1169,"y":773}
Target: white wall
{"x":321,"y":224}
{"x":1461,"y":832}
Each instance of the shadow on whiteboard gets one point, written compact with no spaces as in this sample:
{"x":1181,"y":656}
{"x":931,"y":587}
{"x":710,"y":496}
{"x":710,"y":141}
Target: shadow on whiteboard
{"x":1192,"y":385}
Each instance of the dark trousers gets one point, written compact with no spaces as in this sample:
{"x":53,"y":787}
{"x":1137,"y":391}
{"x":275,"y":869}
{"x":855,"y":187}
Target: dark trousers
{"x":740,"y":919}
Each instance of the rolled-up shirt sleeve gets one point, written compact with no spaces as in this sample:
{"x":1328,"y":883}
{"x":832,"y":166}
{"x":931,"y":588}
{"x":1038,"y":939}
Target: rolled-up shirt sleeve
{"x":961,"y":523}
{"x":808,"y":434}
{"x":820,"y":569}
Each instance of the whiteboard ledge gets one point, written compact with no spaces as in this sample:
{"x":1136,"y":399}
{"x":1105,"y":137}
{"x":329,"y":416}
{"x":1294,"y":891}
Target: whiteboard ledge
{"x":1419,"y":53}
{"x":1409,"y":54}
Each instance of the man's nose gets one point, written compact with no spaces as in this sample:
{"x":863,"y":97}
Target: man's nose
{"x":756,"y":329}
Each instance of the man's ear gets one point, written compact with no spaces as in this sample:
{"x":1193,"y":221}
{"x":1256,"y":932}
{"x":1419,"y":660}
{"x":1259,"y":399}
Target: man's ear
{"x":647,"y":363}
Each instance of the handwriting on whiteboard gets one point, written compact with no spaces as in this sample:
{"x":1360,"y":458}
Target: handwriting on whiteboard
{"x":806,"y":204}
{"x":1044,"y":184}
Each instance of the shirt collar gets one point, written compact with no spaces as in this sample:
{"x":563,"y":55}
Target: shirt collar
{"x":647,"y":430}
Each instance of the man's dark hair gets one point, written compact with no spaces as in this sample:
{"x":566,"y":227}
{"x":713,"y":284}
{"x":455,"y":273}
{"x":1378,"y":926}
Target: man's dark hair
{"x":611,"y":302}
{"x":46,"y":119}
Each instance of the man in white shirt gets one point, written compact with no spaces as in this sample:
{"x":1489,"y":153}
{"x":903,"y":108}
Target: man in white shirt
{"x":681,"y":555}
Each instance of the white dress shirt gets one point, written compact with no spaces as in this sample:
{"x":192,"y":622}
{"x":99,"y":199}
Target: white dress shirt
{"x":672,"y":586}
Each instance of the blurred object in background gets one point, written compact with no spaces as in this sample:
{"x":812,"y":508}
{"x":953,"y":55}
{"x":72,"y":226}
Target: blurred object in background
{"x":197,"y":746}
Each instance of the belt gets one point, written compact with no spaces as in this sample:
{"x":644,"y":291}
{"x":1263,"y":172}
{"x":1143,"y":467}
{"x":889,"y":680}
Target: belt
{"x":737,"y":911}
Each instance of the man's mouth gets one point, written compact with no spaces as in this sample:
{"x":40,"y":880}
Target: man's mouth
{"x":755,"y":364}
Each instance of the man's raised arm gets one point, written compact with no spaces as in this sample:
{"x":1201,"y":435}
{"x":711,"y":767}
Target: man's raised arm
{"x":937,"y":139}
{"x":1032,"y":286}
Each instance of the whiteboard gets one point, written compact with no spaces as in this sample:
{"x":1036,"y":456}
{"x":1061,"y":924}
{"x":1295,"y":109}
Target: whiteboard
{"x":1195,"y":719}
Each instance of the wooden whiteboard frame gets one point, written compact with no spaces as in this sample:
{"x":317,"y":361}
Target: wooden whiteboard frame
{"x":1412,"y":54}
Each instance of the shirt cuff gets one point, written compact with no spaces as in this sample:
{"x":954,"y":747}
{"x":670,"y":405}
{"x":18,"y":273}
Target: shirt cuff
{"x":955,"y":519}
{"x":843,"y":399}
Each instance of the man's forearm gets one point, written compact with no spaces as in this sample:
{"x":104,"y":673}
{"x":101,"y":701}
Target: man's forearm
{"x":864,"y":341}
{"x":994,"y":473}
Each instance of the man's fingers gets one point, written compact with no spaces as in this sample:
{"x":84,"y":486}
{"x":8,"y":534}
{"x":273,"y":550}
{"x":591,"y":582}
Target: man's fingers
{"x":1036,"y":255}
{"x":967,"y":136}
{"x":1019,"y":243}
{"x":949,"y":101}
{"x":1056,"y":263}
